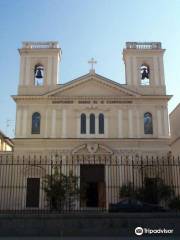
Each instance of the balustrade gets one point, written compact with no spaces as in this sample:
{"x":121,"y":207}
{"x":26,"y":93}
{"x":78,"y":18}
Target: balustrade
{"x":40,"y":45}
{"x":143,"y":45}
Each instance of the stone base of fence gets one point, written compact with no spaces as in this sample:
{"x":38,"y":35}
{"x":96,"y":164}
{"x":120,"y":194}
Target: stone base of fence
{"x":88,"y":224}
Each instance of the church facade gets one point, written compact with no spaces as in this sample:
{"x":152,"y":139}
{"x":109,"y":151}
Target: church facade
{"x":99,"y":132}
{"x":92,"y":114}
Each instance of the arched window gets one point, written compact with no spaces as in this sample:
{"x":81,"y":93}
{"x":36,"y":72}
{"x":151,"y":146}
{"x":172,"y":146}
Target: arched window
{"x":148,"y":123}
{"x":145,"y":75}
{"x":83,"y":123}
{"x":36,"y":123}
{"x":92,"y":123}
{"x":101,"y":123}
{"x":38,"y":75}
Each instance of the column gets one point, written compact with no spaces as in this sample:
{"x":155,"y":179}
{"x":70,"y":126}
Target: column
{"x":120,"y":124}
{"x":53,"y":122}
{"x":27,"y":75}
{"x":166,"y":122}
{"x":49,"y":71}
{"x":134,"y":71}
{"x":46,"y":125}
{"x":18,"y":123}
{"x":161,"y":67}
{"x":24,"y":123}
{"x":87,"y":124}
{"x":57,"y":70}
{"x":159,"y":121}
{"x":128,"y":71}
{"x":78,"y":119}
{"x":21,"y":74}
{"x":138,"y":122}
{"x":106,"y":126}
{"x":54,"y":70}
{"x":96,"y":124}
{"x":64,"y":123}
{"x":156,"y":71}
{"x":130,"y":123}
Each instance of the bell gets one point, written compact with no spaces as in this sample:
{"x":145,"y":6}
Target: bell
{"x":38,"y":73}
{"x":145,"y":73}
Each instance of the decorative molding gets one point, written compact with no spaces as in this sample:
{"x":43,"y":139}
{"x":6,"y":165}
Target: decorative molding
{"x":92,"y":148}
{"x":102,"y":98}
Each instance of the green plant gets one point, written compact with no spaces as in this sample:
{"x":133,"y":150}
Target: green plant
{"x":156,"y":191}
{"x":153,"y":191}
{"x":61,"y":189}
{"x":164,"y":192}
{"x":72,"y":188}
{"x":127,"y":190}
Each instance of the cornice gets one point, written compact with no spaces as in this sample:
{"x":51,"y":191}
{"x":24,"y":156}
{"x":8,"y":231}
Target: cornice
{"x":43,"y":51}
{"x":97,"y":139}
{"x":174,"y":141}
{"x":54,"y":98}
{"x":144,"y":51}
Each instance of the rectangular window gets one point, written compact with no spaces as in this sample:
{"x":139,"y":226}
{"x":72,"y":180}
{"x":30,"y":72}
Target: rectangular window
{"x":32,"y":192}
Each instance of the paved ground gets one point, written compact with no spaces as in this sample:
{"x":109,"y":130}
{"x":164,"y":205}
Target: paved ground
{"x":91,"y":238}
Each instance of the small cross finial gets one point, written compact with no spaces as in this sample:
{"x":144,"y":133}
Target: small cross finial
{"x":92,"y":62}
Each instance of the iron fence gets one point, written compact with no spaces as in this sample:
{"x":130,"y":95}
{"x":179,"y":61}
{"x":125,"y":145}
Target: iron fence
{"x":64,"y":183}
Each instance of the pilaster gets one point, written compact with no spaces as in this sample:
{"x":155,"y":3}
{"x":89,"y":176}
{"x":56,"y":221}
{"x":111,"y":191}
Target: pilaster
{"x":64,"y":133}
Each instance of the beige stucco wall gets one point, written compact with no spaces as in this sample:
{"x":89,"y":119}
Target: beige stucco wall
{"x":49,"y":56}
{"x":61,"y":106}
{"x":134,"y":58}
{"x":59,"y":120}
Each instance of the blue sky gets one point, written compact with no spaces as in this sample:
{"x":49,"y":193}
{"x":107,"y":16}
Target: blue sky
{"x":85,"y":29}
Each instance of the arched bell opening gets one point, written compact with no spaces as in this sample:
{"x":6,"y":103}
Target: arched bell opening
{"x":39,"y":75}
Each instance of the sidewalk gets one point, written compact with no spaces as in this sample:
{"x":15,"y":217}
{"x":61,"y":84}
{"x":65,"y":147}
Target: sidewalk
{"x":90,"y":238}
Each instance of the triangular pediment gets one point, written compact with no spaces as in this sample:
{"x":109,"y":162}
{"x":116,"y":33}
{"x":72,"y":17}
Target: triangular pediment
{"x":91,"y":85}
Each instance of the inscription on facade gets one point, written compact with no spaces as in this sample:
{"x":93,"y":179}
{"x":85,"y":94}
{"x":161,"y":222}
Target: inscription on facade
{"x":63,"y":101}
{"x":91,"y":102}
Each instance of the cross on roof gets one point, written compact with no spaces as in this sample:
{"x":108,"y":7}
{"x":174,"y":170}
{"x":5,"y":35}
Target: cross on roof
{"x":92,"y":62}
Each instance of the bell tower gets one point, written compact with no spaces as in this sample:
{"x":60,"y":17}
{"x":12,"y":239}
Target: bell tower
{"x":144,"y":67}
{"x":39,"y":67}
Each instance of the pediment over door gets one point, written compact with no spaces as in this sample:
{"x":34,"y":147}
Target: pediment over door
{"x":92,"y":149}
